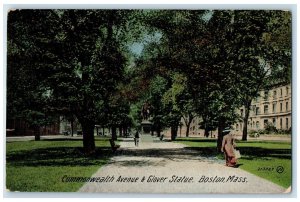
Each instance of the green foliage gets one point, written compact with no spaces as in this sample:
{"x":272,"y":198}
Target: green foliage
{"x":192,"y":62}
{"x":270,"y":128}
{"x":76,"y":56}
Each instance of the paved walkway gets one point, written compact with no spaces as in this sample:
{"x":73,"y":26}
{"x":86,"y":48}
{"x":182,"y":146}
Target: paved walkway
{"x":165,"y":167}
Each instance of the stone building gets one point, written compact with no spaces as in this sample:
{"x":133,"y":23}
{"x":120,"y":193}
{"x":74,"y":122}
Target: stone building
{"x":19,"y":127}
{"x":273,"y":106}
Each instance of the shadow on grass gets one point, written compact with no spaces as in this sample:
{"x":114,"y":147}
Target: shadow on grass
{"x":58,"y":156}
{"x":238,"y":165}
{"x":73,"y":156}
{"x":60,"y":139}
{"x":72,"y":139}
{"x":253,"y":152}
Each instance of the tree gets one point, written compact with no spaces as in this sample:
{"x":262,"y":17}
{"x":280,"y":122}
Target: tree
{"x":257,"y":58}
{"x":157,"y":88}
{"x":78,"y":57}
{"x":118,"y":115}
{"x":196,"y":46}
{"x":208,"y":63}
{"x":227,"y":56}
{"x":27,"y":97}
{"x":180,"y":101}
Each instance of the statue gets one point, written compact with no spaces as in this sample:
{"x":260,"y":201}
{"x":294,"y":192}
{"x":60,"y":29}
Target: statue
{"x":146,"y":111}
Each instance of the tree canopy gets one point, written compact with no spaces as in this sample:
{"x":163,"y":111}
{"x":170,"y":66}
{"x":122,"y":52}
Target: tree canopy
{"x":102,"y":65}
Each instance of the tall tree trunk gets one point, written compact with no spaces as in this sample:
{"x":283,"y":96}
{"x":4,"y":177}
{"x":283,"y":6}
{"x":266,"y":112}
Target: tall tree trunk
{"x":72,"y":127}
{"x":188,"y":124}
{"x":180,"y":127}
{"x":114,"y":132}
{"x":174,"y":130}
{"x":158,"y":132}
{"x":88,"y":137}
{"x":187,"y":132}
{"x":220,"y":135}
{"x":120,"y":131}
{"x":206,"y":131}
{"x":245,"y":120}
{"x":37,"y":133}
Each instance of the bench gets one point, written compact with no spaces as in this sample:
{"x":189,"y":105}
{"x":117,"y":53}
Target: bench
{"x":113,"y":145}
{"x":161,"y":137}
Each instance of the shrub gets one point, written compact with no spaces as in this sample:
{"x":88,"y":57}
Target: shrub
{"x":270,"y":128}
{"x":254,"y":133}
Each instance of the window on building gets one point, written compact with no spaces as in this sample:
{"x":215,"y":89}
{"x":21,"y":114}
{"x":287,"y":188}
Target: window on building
{"x":280,"y":92}
{"x":287,"y":106}
{"x":280,"y":107}
{"x":257,"y":111}
{"x":265,"y":122}
{"x":266,"y":94}
{"x":287,"y":123}
{"x":274,"y":94}
{"x":266,"y":109}
{"x":274,"y":107}
{"x":274,"y":122}
{"x":257,"y":124}
{"x":287,"y":91}
{"x":280,"y":123}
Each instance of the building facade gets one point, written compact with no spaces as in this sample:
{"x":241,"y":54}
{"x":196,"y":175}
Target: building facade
{"x":271,"y":107}
{"x":19,"y":127}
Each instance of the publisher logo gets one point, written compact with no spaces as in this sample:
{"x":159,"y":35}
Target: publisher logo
{"x":279,"y":169}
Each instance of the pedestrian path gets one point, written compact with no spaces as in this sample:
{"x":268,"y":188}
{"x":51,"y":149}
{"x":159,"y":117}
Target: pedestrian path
{"x":166,"y":167}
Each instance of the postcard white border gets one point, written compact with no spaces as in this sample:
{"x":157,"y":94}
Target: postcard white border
{"x":155,"y":4}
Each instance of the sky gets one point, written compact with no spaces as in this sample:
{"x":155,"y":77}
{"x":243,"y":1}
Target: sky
{"x":138,"y":47}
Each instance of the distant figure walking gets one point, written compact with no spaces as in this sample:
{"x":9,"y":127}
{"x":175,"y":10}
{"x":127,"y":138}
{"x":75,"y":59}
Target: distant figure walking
{"x":228,"y":145}
{"x":136,"y":138}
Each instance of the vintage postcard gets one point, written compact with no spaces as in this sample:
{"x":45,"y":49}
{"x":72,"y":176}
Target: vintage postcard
{"x":149,"y":101}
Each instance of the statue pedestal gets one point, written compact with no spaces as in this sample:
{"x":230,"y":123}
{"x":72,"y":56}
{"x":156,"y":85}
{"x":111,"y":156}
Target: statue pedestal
{"x":146,"y":127}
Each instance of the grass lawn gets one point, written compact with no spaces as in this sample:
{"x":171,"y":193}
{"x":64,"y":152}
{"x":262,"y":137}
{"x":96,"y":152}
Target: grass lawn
{"x":261,"y":158}
{"x":38,"y":166}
